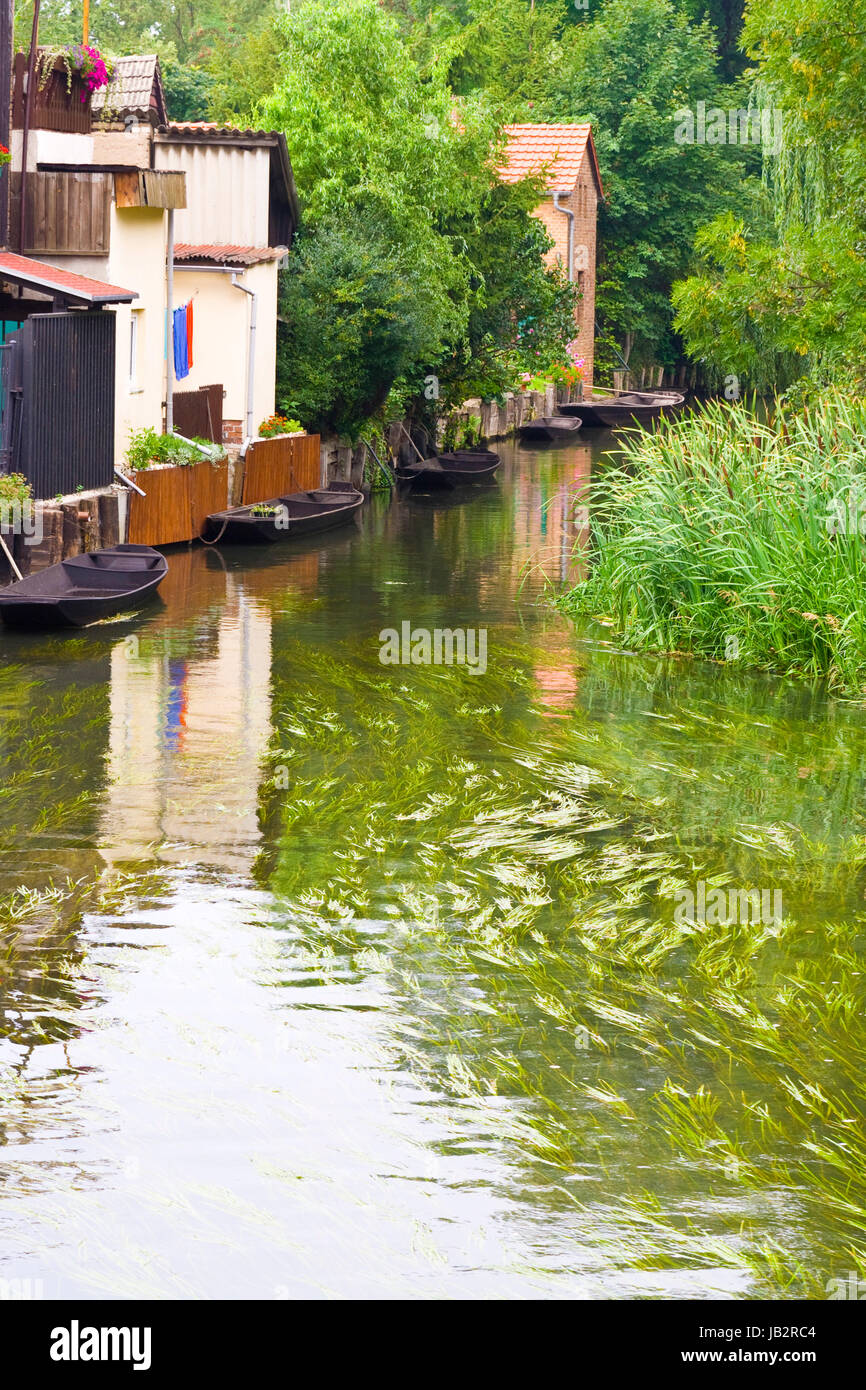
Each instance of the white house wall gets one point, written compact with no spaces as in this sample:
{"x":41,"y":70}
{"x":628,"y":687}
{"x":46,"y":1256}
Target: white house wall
{"x":220,"y":348}
{"x":137,"y":259}
{"x":137,"y":262}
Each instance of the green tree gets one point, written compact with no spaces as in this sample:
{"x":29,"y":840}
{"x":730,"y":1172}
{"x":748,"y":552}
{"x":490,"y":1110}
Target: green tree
{"x":628,"y":73}
{"x":791,"y":300}
{"x":190,"y":27}
{"x":188,"y":91}
{"x":395,"y":181}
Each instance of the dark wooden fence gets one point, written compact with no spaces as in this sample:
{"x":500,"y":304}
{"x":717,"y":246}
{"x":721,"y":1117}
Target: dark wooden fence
{"x":66,"y":212}
{"x":199,"y":414}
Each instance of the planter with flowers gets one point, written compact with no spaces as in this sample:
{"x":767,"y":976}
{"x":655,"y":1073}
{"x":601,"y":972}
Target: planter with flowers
{"x":278,"y":424}
{"x":182,"y":482}
{"x":283,"y":459}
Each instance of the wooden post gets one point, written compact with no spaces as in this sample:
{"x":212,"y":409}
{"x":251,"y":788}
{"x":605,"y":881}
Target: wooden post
{"x":28,"y":107}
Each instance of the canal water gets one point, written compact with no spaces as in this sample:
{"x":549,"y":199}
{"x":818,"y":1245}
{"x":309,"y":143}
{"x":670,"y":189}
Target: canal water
{"x":322,"y":976}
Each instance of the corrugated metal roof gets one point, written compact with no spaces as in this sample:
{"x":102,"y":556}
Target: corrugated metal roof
{"x":36,"y":275}
{"x":135,"y":89}
{"x":556,"y":149}
{"x":227,"y":255}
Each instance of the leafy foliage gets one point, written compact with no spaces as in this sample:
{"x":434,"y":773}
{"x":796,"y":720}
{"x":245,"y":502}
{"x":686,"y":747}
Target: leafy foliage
{"x":762,"y":297}
{"x":740,"y":540}
{"x":628,"y":73}
{"x":414,"y":258}
{"x":356,"y":313}
{"x":147,"y":449}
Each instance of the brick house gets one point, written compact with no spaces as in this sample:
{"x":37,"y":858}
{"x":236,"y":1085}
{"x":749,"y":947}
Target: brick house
{"x":565,"y":156}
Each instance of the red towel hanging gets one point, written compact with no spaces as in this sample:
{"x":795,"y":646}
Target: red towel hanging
{"x":189,"y":333}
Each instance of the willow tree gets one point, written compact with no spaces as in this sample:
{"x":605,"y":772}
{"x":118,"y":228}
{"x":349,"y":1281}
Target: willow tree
{"x":775,"y":305}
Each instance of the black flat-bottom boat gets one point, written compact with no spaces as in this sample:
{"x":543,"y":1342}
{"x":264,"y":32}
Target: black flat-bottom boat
{"x":284,"y":518}
{"x":631,"y":407}
{"x":451,"y":470}
{"x":549,"y":427}
{"x":84,"y":588}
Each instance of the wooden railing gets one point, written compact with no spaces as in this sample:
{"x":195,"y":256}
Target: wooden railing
{"x":66,"y":213}
{"x":53,"y":106}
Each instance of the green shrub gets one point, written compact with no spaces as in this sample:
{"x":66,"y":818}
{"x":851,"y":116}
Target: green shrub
{"x":14,"y":487}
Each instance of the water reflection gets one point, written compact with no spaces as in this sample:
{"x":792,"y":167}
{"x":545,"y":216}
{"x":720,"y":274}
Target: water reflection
{"x":367,"y":982}
{"x":188,"y":733}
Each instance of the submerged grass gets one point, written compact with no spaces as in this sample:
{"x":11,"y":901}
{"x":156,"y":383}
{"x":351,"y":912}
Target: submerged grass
{"x":740,"y":540}
{"x":688,"y":1099}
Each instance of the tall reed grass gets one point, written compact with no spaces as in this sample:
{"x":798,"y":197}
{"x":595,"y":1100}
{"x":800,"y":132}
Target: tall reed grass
{"x":739,"y":540}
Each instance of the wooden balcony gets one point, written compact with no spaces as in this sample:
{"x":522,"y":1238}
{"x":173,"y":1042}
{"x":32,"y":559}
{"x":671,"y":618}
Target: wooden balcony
{"x":53,"y":106}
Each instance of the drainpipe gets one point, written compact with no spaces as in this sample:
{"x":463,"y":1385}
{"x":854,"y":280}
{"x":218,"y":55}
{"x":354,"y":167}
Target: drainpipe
{"x":251,"y":364}
{"x":564,"y":193}
{"x":169,"y":326}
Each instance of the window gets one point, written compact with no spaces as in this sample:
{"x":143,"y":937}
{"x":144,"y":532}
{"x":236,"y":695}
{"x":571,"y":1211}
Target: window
{"x":135,"y":342}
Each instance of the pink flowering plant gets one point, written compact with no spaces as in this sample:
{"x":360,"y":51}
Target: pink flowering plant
{"x":77,"y":60}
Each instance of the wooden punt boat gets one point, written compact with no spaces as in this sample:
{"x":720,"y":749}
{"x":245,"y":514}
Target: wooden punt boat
{"x":631,"y":407}
{"x":451,"y":470}
{"x":550,"y":427}
{"x":85,"y":587}
{"x":284,"y":518}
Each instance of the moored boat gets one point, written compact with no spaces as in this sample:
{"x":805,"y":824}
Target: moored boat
{"x":549,"y":427}
{"x":284,"y":518}
{"x":630,"y":407}
{"x":451,"y":470}
{"x":84,"y":588}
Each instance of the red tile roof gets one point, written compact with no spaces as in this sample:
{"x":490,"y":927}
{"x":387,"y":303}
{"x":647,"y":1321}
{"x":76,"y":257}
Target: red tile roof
{"x":558,"y":150}
{"x":227,"y":255}
{"x":81,"y":289}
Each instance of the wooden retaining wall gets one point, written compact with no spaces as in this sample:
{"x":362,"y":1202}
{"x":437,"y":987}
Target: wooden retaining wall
{"x":274,"y":467}
{"x":177,"y":502}
{"x":179,"y":499}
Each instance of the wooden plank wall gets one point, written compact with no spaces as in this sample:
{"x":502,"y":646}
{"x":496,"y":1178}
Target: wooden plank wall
{"x":176,"y":503}
{"x":66,"y":212}
{"x":178,"y":499}
{"x":275,"y":467}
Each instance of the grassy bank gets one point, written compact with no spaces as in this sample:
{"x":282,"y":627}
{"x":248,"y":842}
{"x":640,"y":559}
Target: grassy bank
{"x":738,"y":540}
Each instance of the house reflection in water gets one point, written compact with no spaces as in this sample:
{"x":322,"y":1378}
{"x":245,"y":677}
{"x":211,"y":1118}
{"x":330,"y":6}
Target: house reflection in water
{"x":552,"y":535}
{"x":190,"y":725}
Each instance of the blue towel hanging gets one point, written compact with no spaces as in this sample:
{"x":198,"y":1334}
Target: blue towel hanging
{"x":181,"y":357}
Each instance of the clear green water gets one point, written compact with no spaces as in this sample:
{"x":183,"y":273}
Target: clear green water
{"x":366,"y":980}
